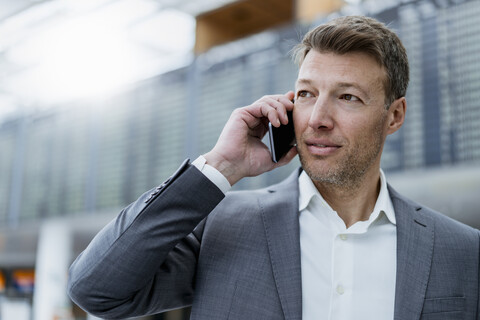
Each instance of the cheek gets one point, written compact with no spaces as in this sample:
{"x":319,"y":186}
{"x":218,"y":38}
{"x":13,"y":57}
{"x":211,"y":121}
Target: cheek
{"x":372,"y":131}
{"x":361,"y":130}
{"x":300,"y":121}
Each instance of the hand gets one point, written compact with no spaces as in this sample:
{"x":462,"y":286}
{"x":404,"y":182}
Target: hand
{"x":239,"y":151}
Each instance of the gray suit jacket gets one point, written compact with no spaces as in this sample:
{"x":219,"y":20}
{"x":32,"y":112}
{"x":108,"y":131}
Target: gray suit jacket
{"x":238,"y":257}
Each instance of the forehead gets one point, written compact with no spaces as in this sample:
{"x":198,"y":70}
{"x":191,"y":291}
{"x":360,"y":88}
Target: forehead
{"x":328,"y":68}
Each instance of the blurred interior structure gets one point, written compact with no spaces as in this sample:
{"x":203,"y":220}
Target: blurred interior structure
{"x":101,"y":100}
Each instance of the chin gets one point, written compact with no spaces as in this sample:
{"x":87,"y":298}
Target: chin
{"x":317,"y":169}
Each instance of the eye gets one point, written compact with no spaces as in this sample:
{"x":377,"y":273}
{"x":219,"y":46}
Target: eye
{"x":349,"y":97}
{"x":304,"y":94}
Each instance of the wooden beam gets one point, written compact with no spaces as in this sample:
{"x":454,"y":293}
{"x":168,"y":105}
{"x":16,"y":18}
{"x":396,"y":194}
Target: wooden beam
{"x":309,"y":10}
{"x":240,"y":19}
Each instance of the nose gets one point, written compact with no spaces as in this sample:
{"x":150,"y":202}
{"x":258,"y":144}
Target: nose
{"x":321,"y":116}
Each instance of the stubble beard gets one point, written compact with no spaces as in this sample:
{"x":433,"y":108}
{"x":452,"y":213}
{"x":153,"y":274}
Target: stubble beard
{"x":349,"y":171}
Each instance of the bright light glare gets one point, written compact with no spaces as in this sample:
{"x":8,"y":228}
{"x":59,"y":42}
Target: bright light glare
{"x":84,"y":59}
{"x":98,"y":53}
{"x":170,"y":31}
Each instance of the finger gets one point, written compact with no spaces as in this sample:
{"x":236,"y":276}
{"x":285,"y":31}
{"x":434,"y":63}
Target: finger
{"x":271,"y":113}
{"x":290,"y":95}
{"x":282,"y":103}
{"x":273,"y":107}
{"x":287,"y":99}
{"x":275,"y":102}
{"x":262,"y":109}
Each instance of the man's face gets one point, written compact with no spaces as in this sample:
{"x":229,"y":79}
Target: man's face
{"x":340,"y":118}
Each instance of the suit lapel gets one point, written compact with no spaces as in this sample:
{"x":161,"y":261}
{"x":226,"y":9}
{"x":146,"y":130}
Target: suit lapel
{"x":280,"y":219}
{"x":415,"y":233}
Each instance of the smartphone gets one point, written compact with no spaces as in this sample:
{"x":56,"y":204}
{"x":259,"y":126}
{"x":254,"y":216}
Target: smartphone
{"x":281,"y":138}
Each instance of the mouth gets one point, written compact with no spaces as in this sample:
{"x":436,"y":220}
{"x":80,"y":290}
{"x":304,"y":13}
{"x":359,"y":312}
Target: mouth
{"x":322,"y":148}
{"x":320,"y":145}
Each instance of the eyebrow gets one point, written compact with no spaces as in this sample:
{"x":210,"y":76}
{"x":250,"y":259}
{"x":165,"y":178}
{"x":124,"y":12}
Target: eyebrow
{"x":355,"y":86}
{"x":303,"y":81}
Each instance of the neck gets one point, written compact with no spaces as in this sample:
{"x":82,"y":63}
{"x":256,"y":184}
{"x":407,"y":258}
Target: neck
{"x":354,"y":201}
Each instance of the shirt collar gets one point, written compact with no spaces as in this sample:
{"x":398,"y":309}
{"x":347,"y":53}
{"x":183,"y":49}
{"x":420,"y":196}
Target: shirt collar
{"x":384,"y":202}
{"x":307,"y":192}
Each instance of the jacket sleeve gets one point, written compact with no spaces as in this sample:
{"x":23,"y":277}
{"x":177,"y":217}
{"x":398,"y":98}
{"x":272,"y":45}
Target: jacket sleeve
{"x":144,"y":261}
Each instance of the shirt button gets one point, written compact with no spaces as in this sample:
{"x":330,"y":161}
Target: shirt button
{"x":343,"y":237}
{"x":340,"y":290}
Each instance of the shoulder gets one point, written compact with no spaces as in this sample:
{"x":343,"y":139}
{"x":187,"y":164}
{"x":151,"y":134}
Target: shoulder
{"x":445,"y":226}
{"x":450,"y":228}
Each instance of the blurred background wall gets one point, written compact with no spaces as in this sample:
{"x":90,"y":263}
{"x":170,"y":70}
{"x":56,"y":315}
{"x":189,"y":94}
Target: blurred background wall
{"x":101,"y":100}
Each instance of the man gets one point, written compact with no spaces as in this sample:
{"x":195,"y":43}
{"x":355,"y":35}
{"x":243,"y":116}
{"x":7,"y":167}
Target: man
{"x":333,"y":241}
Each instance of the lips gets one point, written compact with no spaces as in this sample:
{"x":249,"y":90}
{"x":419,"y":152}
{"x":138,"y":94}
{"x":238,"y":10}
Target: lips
{"x":321,"y":147}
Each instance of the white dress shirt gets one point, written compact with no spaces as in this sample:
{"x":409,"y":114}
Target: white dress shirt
{"x":212,"y":174}
{"x":346,"y":273}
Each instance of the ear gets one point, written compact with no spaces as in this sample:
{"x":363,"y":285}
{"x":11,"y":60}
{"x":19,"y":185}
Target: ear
{"x":396,"y":115}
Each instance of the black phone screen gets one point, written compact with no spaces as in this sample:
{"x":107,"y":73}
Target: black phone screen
{"x":281,"y":138}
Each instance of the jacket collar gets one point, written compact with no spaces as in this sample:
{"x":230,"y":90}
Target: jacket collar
{"x":280,"y":219}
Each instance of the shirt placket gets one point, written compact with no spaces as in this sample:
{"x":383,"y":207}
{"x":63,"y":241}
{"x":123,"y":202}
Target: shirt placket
{"x":342,"y":276}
